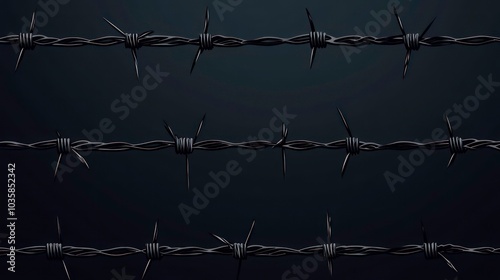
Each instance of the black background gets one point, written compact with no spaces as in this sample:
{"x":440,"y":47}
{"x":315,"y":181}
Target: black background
{"x":117,"y":201}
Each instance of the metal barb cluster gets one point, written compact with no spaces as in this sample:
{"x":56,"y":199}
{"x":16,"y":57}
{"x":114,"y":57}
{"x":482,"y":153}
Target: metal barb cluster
{"x":186,"y":146}
{"x":240,"y":251}
{"x":206,"y":41}
{"x":55,"y":251}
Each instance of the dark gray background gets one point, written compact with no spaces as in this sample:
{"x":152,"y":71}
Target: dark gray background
{"x":117,"y":201}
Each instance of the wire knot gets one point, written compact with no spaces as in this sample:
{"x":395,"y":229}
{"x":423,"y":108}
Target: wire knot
{"x":431,"y":250}
{"x":457,"y":145}
{"x":352,"y":145}
{"x":330,"y":250}
{"x":153,"y":251}
{"x":240,"y":251}
{"x":206,"y":42}
{"x":317,"y":39}
{"x":183,"y":146}
{"x":63,"y":145}
{"x":412,"y":41}
{"x":26,"y":41}
{"x":55,"y":251}
{"x":132,"y":41}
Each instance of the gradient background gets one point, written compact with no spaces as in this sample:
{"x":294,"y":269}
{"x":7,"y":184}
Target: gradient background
{"x":117,"y":201}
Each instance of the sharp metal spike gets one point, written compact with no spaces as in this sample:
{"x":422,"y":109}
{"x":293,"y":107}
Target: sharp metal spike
{"x":424,"y":235}
{"x":344,"y":165}
{"x":198,"y":53}
{"x":250,"y":233}
{"x":80,"y":158}
{"x":146,"y":269}
{"x":452,"y":159}
{"x":66,"y":270}
{"x":239,"y":270}
{"x":169,"y":130}
{"x":283,"y":161}
{"x":328,"y":227}
{"x":407,"y":63}
{"x":426,"y":29}
{"x":448,"y":262}
{"x":221,"y":239}
{"x":114,"y":26}
{"x":155,"y":232}
{"x":19,"y":58}
{"x":199,"y":128}
{"x":345,"y":122}
{"x":57,"y":166}
{"x":144,"y":34}
{"x":134,"y":56}
{"x":59,"y":236}
{"x":450,"y":129}
{"x":33,"y":20}
{"x":311,"y":23}
{"x":400,"y":23}
{"x":207,"y":20}
{"x":313,"y":55}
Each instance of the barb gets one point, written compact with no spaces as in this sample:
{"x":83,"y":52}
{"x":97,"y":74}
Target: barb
{"x":281,"y":143}
{"x":431,"y":250}
{"x":63,"y":146}
{"x":411,"y":41}
{"x":55,"y":251}
{"x":25,"y":41}
{"x":186,"y":146}
{"x":206,"y":41}
{"x":329,"y":249}
{"x":133,"y":42}
{"x":152,"y":250}
{"x":316,"y":39}
{"x":241,"y":251}
{"x":456,"y":143}
{"x":352,"y":143}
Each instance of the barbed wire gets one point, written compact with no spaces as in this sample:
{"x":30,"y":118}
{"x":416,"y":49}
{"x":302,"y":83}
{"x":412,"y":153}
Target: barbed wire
{"x":186,"y":145}
{"x":240,"y":251}
{"x":206,"y":41}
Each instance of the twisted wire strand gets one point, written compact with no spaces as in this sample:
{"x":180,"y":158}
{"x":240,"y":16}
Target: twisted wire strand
{"x":206,"y":41}
{"x":256,"y":251}
{"x":187,"y":145}
{"x":243,"y":250}
{"x":228,"y":41}
{"x":216,"y":145}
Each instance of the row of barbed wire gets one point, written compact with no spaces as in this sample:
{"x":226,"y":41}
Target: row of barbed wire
{"x":240,"y":251}
{"x":186,"y":146}
{"x":206,"y":41}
